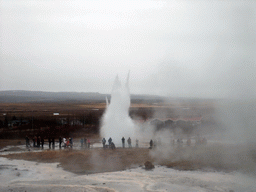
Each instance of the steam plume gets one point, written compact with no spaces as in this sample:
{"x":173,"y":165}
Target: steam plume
{"x":116,"y":122}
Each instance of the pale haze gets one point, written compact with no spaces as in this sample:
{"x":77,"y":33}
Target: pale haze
{"x":172,"y":48}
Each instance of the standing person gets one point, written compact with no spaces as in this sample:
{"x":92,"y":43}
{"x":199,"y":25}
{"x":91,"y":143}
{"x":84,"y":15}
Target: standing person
{"x":53,"y":143}
{"x":50,"y":142}
{"x":27,"y":141}
{"x":71,"y":142}
{"x":89,"y":143}
{"x":42,"y":142}
{"x":129,"y":141}
{"x":104,"y":142}
{"x":60,"y":141}
{"x":82,"y":142}
{"x":68,"y":140}
{"x":151,"y":144}
{"x":123,"y":142}
{"x":137,"y":143}
{"x":38,"y":141}
{"x":85,"y":142}
{"x":109,"y":141}
{"x":34,"y":141}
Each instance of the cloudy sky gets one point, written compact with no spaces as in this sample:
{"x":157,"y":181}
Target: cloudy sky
{"x":172,"y":48}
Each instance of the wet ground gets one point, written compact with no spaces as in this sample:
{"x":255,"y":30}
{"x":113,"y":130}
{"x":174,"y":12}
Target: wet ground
{"x":96,"y":169}
{"x":20,"y":175}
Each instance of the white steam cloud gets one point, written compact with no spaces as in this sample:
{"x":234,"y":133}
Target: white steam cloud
{"x":116,"y":122}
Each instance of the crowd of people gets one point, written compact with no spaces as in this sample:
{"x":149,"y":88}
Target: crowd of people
{"x":38,"y":142}
{"x":152,"y":144}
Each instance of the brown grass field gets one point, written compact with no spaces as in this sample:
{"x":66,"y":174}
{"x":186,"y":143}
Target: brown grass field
{"x":41,"y":120}
{"x":79,"y":108}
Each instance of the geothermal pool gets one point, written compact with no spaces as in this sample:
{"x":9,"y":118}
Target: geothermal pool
{"x":20,"y":175}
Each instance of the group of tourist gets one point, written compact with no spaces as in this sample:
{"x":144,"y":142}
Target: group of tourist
{"x":112,"y":145}
{"x":85,"y":143}
{"x":129,"y":141}
{"x":67,"y":142}
{"x":36,"y":140}
{"x":39,"y":142}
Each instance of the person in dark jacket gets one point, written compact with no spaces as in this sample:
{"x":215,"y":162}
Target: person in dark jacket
{"x":38,"y":141}
{"x":151,"y":144}
{"x":123,"y":142}
{"x":109,"y":141}
{"x":71,"y":142}
{"x":42,"y":142}
{"x":50,"y":142}
{"x":53,"y":143}
{"x":34,"y":141}
{"x":27,"y":141}
{"x":129,"y":141}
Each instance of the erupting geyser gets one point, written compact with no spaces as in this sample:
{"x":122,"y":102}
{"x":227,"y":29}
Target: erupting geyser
{"x":116,"y":122}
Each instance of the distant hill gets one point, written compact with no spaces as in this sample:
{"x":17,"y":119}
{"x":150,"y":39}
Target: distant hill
{"x":20,"y":96}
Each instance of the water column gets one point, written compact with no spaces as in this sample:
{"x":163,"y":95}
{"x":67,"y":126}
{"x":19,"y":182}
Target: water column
{"x":116,"y":122}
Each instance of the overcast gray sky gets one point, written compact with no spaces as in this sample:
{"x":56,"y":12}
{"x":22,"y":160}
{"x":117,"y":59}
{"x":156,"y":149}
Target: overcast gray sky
{"x":172,"y":48}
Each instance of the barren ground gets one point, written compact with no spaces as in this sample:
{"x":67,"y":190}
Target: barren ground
{"x":89,"y":161}
{"x":211,"y":157}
